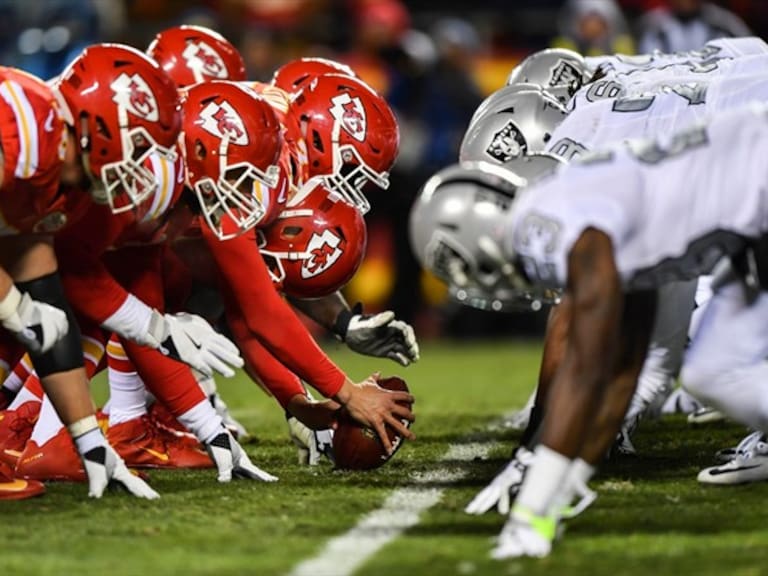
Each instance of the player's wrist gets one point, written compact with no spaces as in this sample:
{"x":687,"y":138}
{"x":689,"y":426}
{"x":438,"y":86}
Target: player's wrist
{"x":341,"y":325}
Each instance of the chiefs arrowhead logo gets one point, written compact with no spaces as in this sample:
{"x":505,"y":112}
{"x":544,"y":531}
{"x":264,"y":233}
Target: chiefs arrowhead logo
{"x":221,"y":120}
{"x":133,"y":94}
{"x":204,"y":61}
{"x":324,"y":250}
{"x":349,"y":115}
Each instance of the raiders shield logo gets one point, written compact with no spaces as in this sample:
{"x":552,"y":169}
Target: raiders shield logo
{"x":507,"y":144}
{"x":220,"y":119}
{"x":324,"y":250}
{"x":133,"y":94}
{"x":349,"y":115}
{"x":565,"y":74}
{"x":204,"y":61}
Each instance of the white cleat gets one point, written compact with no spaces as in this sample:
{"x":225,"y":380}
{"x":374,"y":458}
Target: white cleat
{"x":750,"y":466}
{"x":680,"y":401}
{"x":705,"y":415}
{"x":525,"y":535}
{"x":746,"y":445}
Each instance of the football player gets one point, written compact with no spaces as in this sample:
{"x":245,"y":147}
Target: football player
{"x":41,"y":190}
{"x":600,"y":243}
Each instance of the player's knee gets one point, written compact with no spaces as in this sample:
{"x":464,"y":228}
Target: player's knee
{"x":67,"y":353}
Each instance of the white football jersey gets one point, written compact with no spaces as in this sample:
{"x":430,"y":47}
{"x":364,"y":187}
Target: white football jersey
{"x":720,"y":48}
{"x":672,"y":108}
{"x":672,"y":206}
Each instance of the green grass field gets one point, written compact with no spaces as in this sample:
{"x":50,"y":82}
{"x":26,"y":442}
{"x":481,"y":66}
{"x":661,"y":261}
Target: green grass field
{"x":651,"y":516}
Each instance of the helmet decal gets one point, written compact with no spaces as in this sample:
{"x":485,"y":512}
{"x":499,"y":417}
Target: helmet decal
{"x":324,"y":251}
{"x":204,"y":60}
{"x":134,"y":95}
{"x":507,"y":143}
{"x":564,"y":73}
{"x":350,"y":115}
{"x":221,"y":120}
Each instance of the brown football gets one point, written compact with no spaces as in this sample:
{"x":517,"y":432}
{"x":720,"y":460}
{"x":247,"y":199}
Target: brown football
{"x":358,"y":448}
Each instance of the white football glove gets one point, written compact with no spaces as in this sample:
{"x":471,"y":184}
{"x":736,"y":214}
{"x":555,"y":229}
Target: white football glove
{"x":311,"y":444}
{"x":35,"y":324}
{"x":382,"y":336}
{"x":232,"y":461}
{"x":104,"y":467}
{"x":501,"y":489}
{"x":190,"y":339}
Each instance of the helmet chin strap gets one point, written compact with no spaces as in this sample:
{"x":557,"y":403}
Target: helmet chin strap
{"x":97,"y":189}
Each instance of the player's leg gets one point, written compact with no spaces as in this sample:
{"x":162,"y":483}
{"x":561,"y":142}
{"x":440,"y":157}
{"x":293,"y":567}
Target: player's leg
{"x":726,"y":367}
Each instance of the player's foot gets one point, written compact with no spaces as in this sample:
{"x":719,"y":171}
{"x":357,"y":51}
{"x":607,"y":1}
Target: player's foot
{"x":586,"y":497}
{"x":56,"y":459}
{"x":705,"y":415}
{"x":623,"y":446}
{"x":728,"y":454}
{"x":525,"y":534}
{"x":15,"y":429}
{"x":141,"y":445}
{"x":751,"y":466}
{"x":13,"y":488}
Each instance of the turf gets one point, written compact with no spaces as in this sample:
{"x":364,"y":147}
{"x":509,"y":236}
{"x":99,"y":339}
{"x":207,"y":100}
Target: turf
{"x":651,"y":516}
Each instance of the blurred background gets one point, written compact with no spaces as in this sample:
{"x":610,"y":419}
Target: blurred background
{"x":433,"y":61}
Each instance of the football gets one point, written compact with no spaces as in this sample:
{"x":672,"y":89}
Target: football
{"x":358,"y":448}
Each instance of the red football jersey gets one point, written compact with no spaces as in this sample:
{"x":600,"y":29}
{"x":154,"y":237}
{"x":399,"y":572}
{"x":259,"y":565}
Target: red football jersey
{"x":33,"y":140}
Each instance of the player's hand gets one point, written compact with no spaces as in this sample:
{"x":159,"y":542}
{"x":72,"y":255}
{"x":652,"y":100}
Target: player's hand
{"x":232,"y":461}
{"x":104,"y":467}
{"x":37,"y":325}
{"x":373,"y":407}
{"x":312,"y":445}
{"x":383,"y":336}
{"x":190,"y":339}
{"x":502,"y":488}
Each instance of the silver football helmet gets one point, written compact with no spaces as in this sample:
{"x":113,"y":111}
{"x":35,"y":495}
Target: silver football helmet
{"x":456,"y":224}
{"x":496,"y":100}
{"x":559,"y":71}
{"x":519,"y":124}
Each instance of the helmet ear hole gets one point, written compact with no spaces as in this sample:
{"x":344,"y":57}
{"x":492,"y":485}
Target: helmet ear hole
{"x":317,"y":141}
{"x":291,"y":232}
{"x":200,"y":151}
{"x":102,"y":129}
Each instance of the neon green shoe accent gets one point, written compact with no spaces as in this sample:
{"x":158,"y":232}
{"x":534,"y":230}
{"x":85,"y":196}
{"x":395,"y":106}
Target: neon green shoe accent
{"x":544,"y":526}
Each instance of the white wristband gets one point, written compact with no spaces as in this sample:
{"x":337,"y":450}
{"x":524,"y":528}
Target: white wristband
{"x":131,"y":320}
{"x":10,"y":304}
{"x":83,"y":426}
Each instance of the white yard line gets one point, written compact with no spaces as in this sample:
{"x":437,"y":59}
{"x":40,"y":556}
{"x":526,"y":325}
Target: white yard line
{"x":344,"y":554}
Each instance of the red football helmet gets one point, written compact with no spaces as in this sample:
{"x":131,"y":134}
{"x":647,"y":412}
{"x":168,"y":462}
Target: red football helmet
{"x":232,"y":146}
{"x":316,"y":245}
{"x":192,"y":54}
{"x":351,"y":134}
{"x":124,"y":109}
{"x":293,"y":75}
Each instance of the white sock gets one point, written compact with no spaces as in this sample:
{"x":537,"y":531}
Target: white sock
{"x":48,"y":425}
{"x":126,"y":396}
{"x":22,"y":397}
{"x":544,"y":481}
{"x":90,"y":440}
{"x":202,"y":421}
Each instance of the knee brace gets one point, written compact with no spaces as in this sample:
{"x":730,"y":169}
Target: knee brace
{"x":67,"y":353}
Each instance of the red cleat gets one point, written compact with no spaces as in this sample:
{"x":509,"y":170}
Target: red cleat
{"x":57,"y":459}
{"x":15,"y":429}
{"x":12,"y":488}
{"x":170,"y":428}
{"x":142,"y":444}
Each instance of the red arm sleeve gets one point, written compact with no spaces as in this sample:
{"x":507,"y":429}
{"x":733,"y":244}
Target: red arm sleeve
{"x":90,"y":288}
{"x":281,"y":382}
{"x":247,"y":285}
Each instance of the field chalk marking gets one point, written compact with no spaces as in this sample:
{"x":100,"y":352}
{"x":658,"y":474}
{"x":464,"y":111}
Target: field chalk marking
{"x":402,"y":510}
